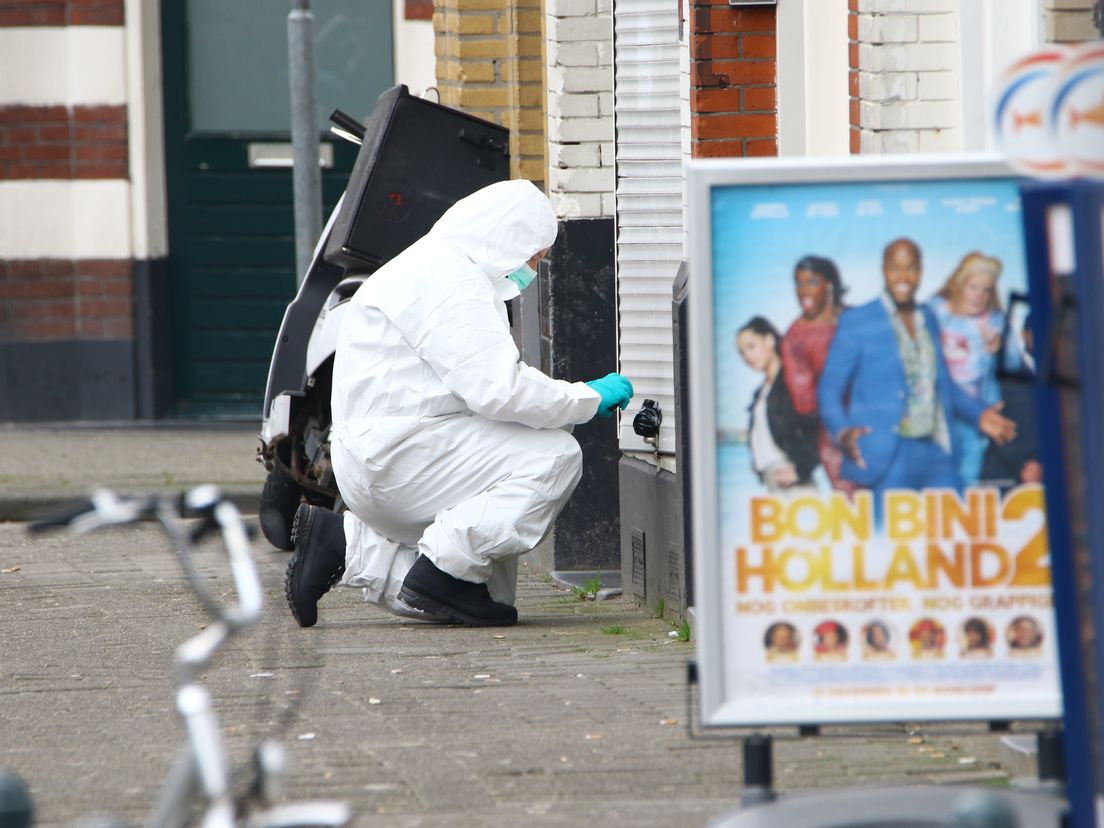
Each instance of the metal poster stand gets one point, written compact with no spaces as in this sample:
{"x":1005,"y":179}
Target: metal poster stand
{"x":1069,"y":394}
{"x":1063,"y":237}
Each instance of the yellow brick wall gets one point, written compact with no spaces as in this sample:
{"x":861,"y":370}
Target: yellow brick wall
{"x":1069,"y":21}
{"x":490,"y":63}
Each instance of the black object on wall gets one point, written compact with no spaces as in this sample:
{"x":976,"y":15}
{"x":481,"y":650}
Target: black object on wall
{"x":578,"y":342}
{"x":153,"y":346}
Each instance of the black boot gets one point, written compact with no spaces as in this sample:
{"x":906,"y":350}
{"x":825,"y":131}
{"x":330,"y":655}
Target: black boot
{"x":319,"y":560}
{"x":429,"y":589}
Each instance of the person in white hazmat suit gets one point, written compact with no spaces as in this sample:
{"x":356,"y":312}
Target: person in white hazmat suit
{"x":450,"y":453}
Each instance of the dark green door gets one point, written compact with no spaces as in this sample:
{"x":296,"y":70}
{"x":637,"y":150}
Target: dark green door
{"x":227,"y":149}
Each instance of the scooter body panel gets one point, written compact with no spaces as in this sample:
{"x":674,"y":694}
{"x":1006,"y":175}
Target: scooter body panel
{"x":277,"y":425}
{"x":287,"y":372}
{"x":323,"y":339}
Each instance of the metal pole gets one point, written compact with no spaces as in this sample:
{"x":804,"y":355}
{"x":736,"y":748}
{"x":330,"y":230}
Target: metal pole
{"x":306,"y":173}
{"x":758,"y":770}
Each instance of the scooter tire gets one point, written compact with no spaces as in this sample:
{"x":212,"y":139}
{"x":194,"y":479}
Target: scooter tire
{"x":280,"y":498}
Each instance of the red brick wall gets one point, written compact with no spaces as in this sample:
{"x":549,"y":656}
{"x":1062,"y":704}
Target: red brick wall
{"x":733,"y":76}
{"x":418,"y":10}
{"x":50,"y":299}
{"x":60,"y":142}
{"x":61,"y":13}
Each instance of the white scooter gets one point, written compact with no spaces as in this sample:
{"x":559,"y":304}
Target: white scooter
{"x":417,"y":158}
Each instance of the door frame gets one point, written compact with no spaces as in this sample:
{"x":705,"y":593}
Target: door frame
{"x":173,"y":33}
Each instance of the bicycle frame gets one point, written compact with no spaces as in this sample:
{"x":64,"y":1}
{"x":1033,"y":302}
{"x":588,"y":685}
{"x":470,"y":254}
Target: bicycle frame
{"x":200,"y":773}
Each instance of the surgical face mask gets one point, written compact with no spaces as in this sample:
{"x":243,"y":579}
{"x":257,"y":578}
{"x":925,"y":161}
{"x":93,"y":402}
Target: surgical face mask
{"x":523,"y":276}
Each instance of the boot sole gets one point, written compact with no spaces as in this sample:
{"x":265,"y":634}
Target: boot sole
{"x":289,"y":591}
{"x":427,"y":604}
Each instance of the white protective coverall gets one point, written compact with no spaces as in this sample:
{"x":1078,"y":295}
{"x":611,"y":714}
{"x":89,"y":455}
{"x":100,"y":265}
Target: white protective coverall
{"x":444,"y":443}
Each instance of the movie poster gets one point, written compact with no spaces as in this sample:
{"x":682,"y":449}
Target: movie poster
{"x":880,"y":511}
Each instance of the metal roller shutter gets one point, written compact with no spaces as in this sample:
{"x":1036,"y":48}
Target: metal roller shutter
{"x":649,"y":201}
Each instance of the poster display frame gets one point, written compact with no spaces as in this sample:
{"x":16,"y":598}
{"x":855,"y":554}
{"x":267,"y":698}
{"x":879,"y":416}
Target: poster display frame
{"x":1072,"y":251}
{"x":717,"y":706}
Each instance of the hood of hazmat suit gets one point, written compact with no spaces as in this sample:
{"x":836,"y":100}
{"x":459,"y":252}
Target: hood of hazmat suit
{"x":427,"y":334}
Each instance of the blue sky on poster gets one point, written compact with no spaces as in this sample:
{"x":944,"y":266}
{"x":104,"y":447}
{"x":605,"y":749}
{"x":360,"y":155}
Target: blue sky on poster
{"x":760,"y":232}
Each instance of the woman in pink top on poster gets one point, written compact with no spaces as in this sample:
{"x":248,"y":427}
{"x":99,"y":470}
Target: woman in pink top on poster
{"x":804,"y":349}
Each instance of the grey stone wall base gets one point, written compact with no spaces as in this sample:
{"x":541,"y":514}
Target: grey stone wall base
{"x":610,"y":579}
{"x":653,"y":561}
{"x":67,"y":380}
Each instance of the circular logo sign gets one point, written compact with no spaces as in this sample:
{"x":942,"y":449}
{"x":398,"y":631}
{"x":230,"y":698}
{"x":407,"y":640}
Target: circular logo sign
{"x":1077,"y":111}
{"x":1023,"y":110}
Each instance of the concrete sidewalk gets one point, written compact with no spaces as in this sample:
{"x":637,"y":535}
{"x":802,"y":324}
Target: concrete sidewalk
{"x":576,"y":715}
{"x":41,"y":466}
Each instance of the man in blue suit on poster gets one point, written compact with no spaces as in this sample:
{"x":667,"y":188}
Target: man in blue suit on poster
{"x":886,"y":396}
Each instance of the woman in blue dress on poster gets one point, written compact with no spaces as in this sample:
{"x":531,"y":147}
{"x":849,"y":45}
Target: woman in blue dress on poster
{"x":971,"y":321}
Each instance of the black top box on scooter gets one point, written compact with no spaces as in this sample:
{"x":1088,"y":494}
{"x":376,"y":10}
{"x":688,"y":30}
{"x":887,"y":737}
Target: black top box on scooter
{"x":418,"y":158}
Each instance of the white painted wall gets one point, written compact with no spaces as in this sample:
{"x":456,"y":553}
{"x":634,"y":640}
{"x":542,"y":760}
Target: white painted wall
{"x":85,"y":66}
{"x":65,"y":66}
{"x":415,"y":61}
{"x":65,"y":220}
{"x":145,"y":133}
{"x":812,"y":78}
{"x":992,"y":34}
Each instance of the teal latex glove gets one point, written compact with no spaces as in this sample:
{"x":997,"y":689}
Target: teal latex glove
{"x":616,"y":391}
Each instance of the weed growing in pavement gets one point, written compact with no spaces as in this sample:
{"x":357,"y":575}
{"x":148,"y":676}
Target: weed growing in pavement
{"x":683,"y":630}
{"x":589,"y":590}
{"x":659,"y":608}
{"x":613,"y":629}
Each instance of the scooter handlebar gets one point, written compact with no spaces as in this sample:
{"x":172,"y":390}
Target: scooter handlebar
{"x":346,"y":126}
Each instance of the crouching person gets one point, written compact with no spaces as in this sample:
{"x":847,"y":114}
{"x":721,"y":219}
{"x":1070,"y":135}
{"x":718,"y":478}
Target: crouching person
{"x":449,"y":452}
